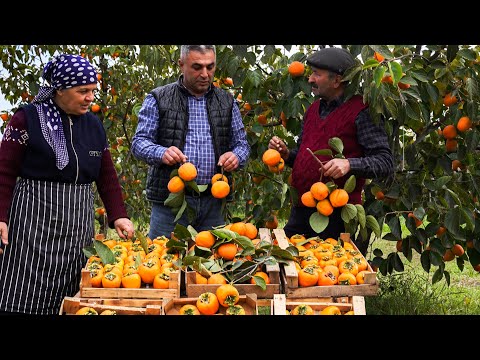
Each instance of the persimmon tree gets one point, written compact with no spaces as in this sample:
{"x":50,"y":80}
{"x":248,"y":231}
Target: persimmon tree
{"x":416,"y":91}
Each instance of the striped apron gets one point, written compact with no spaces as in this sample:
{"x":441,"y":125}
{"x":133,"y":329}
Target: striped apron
{"x":49,"y":225}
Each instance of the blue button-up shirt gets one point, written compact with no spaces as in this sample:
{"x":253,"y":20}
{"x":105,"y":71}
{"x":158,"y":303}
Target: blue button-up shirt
{"x":199,"y":143}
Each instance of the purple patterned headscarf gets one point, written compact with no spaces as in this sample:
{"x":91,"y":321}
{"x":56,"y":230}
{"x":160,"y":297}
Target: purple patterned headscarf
{"x":62,"y":72}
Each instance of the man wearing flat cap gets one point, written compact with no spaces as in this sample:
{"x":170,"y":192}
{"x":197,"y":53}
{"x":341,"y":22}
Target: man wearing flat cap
{"x":366,"y":149}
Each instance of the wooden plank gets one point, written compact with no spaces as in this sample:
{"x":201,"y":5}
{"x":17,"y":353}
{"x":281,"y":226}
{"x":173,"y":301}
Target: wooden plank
{"x":359,"y":305}
{"x":334,"y":290}
{"x":291,"y":274}
{"x":265,"y":235}
{"x":279,"y":305}
{"x":124,"y":302}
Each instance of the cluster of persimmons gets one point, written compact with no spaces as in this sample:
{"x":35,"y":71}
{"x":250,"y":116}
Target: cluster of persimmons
{"x":226,"y":250}
{"x":325,"y":262}
{"x":209,"y":303}
{"x":133,"y":266}
{"x":306,"y":309}
{"x":188,"y":172}
{"x":273,"y":160}
{"x":325,"y":200}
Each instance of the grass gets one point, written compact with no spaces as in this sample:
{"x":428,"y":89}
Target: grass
{"x":412,"y":293}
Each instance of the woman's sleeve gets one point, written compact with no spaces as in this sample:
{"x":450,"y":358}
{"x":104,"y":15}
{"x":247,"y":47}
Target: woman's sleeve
{"x":110,"y":190}
{"x":12,"y":151}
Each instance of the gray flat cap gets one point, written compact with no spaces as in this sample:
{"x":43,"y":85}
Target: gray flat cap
{"x":334,"y":59}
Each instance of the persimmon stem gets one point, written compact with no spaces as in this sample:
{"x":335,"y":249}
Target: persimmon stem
{"x":319,"y":161}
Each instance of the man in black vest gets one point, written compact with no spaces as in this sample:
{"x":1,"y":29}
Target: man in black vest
{"x":189,"y":120}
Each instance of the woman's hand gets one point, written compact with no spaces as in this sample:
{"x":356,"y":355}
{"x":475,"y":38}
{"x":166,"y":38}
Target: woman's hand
{"x":3,"y":235}
{"x":124,"y":225}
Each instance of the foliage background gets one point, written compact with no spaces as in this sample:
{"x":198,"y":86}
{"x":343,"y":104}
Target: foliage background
{"x":424,"y":183}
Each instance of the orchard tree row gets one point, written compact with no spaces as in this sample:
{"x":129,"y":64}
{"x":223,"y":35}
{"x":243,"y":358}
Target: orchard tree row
{"x":427,"y":94}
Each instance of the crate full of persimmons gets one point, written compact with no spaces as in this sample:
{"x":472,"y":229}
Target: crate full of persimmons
{"x":140,"y":268}
{"x":84,"y":306}
{"x":236,"y":254}
{"x":226,"y":300}
{"x":325,"y":267}
{"x":353,"y":305}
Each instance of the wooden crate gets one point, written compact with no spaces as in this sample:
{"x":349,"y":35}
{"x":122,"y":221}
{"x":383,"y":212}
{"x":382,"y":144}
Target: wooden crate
{"x":87,"y":291}
{"x":289,"y":276}
{"x":172,"y":306}
{"x":70,"y":305}
{"x":281,"y":304}
{"x":273,"y":271}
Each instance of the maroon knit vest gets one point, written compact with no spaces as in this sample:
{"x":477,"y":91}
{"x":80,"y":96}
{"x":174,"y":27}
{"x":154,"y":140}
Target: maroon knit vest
{"x":316,"y":133}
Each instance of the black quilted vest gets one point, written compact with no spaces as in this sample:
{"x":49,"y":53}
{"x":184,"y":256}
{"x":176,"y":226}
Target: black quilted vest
{"x":172,"y":102}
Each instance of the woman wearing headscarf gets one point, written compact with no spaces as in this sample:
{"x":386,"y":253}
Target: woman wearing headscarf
{"x":52,"y":152}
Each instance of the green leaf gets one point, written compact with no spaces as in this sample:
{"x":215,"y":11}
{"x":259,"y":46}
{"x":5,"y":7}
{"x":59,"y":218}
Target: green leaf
{"x":224,"y":234}
{"x":138,"y":260}
{"x":432,"y":92}
{"x":348,"y":213}
{"x":350,"y":184}
{"x":452,"y":223}
{"x":468,"y":217}
{"x":396,"y":71}
{"x":447,"y":274}
{"x":378,"y":75}
{"x":282,"y":254}
{"x":89,"y":251}
{"x":472,"y":87}
{"x":440,"y":182}
{"x":371,"y":63}
{"x":454,"y":196}
{"x":420,"y":75}
{"x":439,"y":73}
{"x":181,"y":232}
{"x":467,"y":54}
{"x":437,"y":276}
{"x":419,"y":212}
{"x":260,"y":281}
{"x":191,"y":260}
{"x":175,"y":200}
{"x":361,"y":215}
{"x":143,"y":242}
{"x":318,"y":222}
{"x":105,"y":253}
{"x":451,"y":52}
{"x":180,"y":211}
{"x":397,"y":263}
{"x":336,"y":144}
{"x":325,"y":152}
{"x":363,"y":232}
{"x":391,"y":106}
{"x":425,"y":261}
{"x":246,"y":244}
{"x":255,"y":77}
{"x":372,"y":223}
{"x":435,"y":258}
